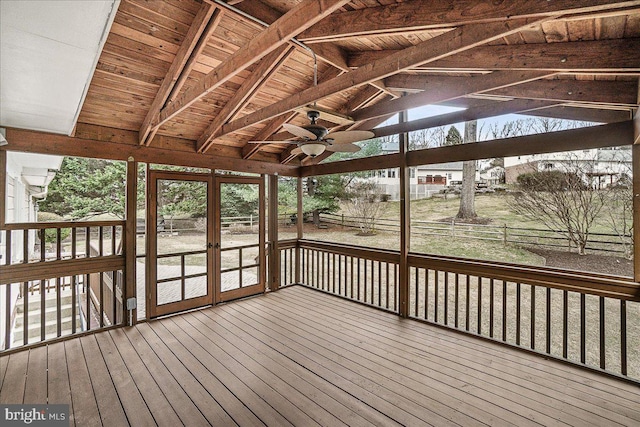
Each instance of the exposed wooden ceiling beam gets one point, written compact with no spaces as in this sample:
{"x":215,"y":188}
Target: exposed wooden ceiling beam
{"x":441,"y":88}
{"x":415,"y":15}
{"x":587,"y":56}
{"x":115,"y":148}
{"x":491,"y":109}
{"x":194,"y":34}
{"x":609,"y":135}
{"x":436,"y":88}
{"x":265,"y":69}
{"x":280,"y":32}
{"x":454,"y":41}
{"x":588,"y":91}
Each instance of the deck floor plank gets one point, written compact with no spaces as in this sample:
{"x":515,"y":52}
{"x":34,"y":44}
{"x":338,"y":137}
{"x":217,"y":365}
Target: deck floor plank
{"x":506,"y":381}
{"x":13,"y":386}
{"x":85,"y":406}
{"x":205,"y":388}
{"x":558,"y":380}
{"x":36,"y":383}
{"x":134,"y":405}
{"x":253,"y":401}
{"x":342,"y":404}
{"x":109,"y":405}
{"x":453,"y":391}
{"x":303,"y":357}
{"x":181,"y":403}
{"x":58,"y":386}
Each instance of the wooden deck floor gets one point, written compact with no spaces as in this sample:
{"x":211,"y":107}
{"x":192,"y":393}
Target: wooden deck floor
{"x":300,"y":357}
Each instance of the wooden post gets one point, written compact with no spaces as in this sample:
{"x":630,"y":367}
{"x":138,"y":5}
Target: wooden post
{"x":274,"y":252}
{"x":130,"y":240}
{"x":635,"y":161}
{"x":405,"y":222}
{"x":299,"y":222}
{"x":3,"y":186}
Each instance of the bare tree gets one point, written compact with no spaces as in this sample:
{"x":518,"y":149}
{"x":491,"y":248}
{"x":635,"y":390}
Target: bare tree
{"x":563,"y":199}
{"x":619,"y":208}
{"x":366,"y":205}
{"x":467,"y":196}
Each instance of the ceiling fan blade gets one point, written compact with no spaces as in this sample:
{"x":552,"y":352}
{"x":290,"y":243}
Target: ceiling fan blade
{"x":347,"y":136}
{"x":296,"y":151}
{"x":343,"y":148}
{"x":298,"y":131}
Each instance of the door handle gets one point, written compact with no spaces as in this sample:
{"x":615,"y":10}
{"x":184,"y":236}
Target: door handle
{"x":211,"y":245}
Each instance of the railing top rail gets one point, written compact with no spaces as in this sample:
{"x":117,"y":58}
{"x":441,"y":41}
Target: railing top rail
{"x":61,"y":224}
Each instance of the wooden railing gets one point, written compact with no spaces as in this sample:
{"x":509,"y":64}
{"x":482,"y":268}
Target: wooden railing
{"x":59,"y":279}
{"x":361,"y":274}
{"x":588,"y":319}
{"x":289,"y":262}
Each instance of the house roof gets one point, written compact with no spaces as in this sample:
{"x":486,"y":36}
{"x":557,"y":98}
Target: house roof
{"x":205,"y":77}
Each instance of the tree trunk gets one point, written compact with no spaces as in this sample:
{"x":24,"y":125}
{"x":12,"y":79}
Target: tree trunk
{"x":467,"y":196}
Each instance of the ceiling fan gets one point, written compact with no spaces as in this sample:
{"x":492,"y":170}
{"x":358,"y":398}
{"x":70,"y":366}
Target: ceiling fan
{"x":314,"y":139}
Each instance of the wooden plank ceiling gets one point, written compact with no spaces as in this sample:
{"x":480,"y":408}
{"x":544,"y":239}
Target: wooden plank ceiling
{"x":198,"y":76}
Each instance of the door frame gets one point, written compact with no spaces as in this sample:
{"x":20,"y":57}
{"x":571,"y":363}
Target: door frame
{"x":262,"y":269}
{"x":151,"y":285}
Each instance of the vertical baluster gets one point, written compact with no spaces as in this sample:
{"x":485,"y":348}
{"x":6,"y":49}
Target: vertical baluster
{"x":491,"y":304}
{"x":565,"y":323}
{"x":583,"y":328}
{"x":58,"y":243}
{"x":25,"y":314}
{"x":467,"y":307}
{"x":74,"y":296}
{"x":87,"y":281}
{"x":365,"y":280}
{"x":101,"y":297}
{"x":379,"y":284}
{"x":602,"y":334}
{"x":446,"y":297}
{"x":101,"y":240}
{"x":623,"y":337}
{"x":73,"y":242}
{"x":395,"y":287}
{"x":286,"y":270}
{"x":426,"y":293}
{"x":479,"y":305}
{"x":436,"y":295}
{"x":183,"y":272}
{"x":504,"y":310}
{"x":358,"y":278}
{"x":322,"y":272}
{"x":416,"y":290}
{"x":533,"y":317}
{"x":113,"y":240}
{"x":239,"y":269}
{"x":386,"y":285}
{"x":58,"y":307}
{"x":87,"y":242}
{"x":7,"y":247}
{"x":457,"y":299}
{"x":351,"y":274}
{"x":518,"y":312}
{"x":7,"y":311}
{"x":25,"y":246}
{"x":333,"y":273}
{"x":42,"y":244}
{"x":340,"y":258}
{"x":43,"y":307}
{"x":317,"y":281}
{"x":548,"y":320}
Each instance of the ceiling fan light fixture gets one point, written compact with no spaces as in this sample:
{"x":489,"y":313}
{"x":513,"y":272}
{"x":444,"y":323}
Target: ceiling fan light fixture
{"x":313,"y":149}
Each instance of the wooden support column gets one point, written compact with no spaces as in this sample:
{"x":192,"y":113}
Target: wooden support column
{"x":635,"y":161}
{"x":274,"y":252}
{"x":130,"y":240}
{"x":299,"y":223}
{"x":3,"y":186}
{"x":405,"y":222}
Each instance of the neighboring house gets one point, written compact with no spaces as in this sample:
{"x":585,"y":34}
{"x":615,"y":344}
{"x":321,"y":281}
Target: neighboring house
{"x":492,"y":176}
{"x":600,"y":167}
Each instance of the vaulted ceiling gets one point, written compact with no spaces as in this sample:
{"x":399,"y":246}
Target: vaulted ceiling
{"x":208,"y":77}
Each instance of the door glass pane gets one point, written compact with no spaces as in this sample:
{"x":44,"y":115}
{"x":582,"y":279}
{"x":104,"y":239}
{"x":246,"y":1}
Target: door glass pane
{"x":181,"y":236}
{"x":239,"y":234}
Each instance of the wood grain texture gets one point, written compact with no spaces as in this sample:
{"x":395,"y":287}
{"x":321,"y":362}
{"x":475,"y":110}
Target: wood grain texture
{"x":416,"y":15}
